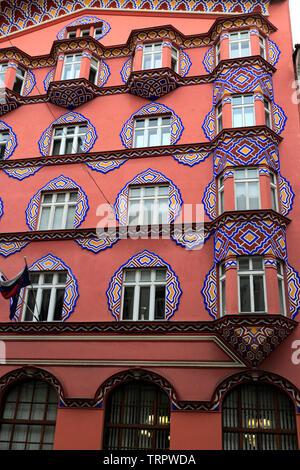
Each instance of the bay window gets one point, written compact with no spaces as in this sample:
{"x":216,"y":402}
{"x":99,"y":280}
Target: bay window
{"x":243,"y":111}
{"x":71,"y":67}
{"x":152,"y":56}
{"x":268,"y":115}
{"x":94,"y":68}
{"x":239,"y":44}
{"x":221,"y":194}
{"x":247,"y":190}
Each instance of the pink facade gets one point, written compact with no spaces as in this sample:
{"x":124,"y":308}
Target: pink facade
{"x":221,"y":133}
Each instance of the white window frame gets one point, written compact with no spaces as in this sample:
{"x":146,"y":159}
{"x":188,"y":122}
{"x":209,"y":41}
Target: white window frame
{"x":221,"y":194}
{"x":96,"y":68}
{"x":222,"y":288}
{"x":175,"y":56}
{"x":281,"y":286}
{"x":243,"y":106}
{"x":148,"y":126}
{"x":219,"y":117}
{"x":141,"y":200}
{"x":246,"y":180}
{"x":78,"y":132}
{"x":152,"y":52}
{"x":4,"y":136}
{"x":251,"y":273}
{"x":274,"y":190}
{"x":268,"y":113}
{"x":3,"y":69}
{"x":38,"y":288}
{"x":21,"y":77}
{"x":239,"y":41}
{"x":67,"y":204}
{"x":137,"y":284}
{"x":75,"y":61}
{"x":262,"y":47}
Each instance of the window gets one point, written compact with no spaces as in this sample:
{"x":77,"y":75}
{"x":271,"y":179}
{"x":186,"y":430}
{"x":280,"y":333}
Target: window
{"x":239,"y":44}
{"x":280,"y":278}
{"x":19,"y":81}
{"x":243,"y":111}
{"x":221,"y":194}
{"x":251,"y":281}
{"x":174,"y":59}
{"x":57,"y":210}
{"x":84,"y":33}
{"x":4,"y":136}
{"x":71,"y":68}
{"x":144,"y":292}
{"x":273,"y":183}
{"x":262,"y":47}
{"x":246,"y":188}
{"x":3,"y":68}
{"x":137,"y":417}
{"x":218,"y":53}
{"x":28,"y":417}
{"x":93,"y":76}
{"x":152,"y":56}
{"x":258,"y":417}
{"x":97,"y":31}
{"x":44,"y":299}
{"x":151,"y":132}
{"x":148,"y":205}
{"x":268,"y":116}
{"x":71,"y":34}
{"x":67,"y":140}
{"x":222,"y":280}
{"x":219,"y":118}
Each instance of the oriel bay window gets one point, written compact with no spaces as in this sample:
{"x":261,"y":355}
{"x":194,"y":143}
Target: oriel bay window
{"x":148,"y":205}
{"x":243,"y":111}
{"x":71,"y":67}
{"x":153,"y":131}
{"x":57,"y":210}
{"x":68,"y":139}
{"x":246,"y":188}
{"x":44,"y":298}
{"x":152,"y":56}
{"x":251,"y":284}
{"x":239,"y":44}
{"x":144,"y":293}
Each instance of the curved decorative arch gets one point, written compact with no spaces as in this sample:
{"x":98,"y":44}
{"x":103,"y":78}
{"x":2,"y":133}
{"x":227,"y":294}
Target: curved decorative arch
{"x":145,"y":259}
{"x":86,"y":20}
{"x":135,"y":374}
{"x":11,"y":142}
{"x":32,"y":372}
{"x":251,"y":376}
{"x":65,"y":119}
{"x":146,"y":177}
{"x":151,"y":109}
{"x":49,"y":78}
{"x":52,"y":263}
{"x":61,"y":183}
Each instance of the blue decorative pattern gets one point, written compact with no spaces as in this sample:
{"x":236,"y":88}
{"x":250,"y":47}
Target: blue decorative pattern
{"x":191,"y":239}
{"x":7,"y":249}
{"x":273,"y":52}
{"x":209,"y":292}
{"x":152,"y":177}
{"x":52,"y":263}
{"x":145,"y":259}
{"x":184,"y":63}
{"x":49,"y":78}
{"x":29,"y":84}
{"x":126,"y":70}
{"x":61,"y":183}
{"x":147,"y":110}
{"x":286,"y":195}
{"x":64,"y":120}
{"x":209,"y":199}
{"x":209,"y":60}
{"x":104,"y":166}
{"x":11,"y":142}
{"x":1,"y":208}
{"x":279,"y":118}
{"x":97,"y":244}
{"x":104,"y":73}
{"x":209,"y":125}
{"x":21,"y":173}
{"x":86,"y":20}
{"x":293,"y":282}
{"x":192,"y":158}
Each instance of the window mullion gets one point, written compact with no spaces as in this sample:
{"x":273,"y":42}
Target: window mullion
{"x":136,"y":300}
{"x":252,"y":293}
{"x":38,"y":302}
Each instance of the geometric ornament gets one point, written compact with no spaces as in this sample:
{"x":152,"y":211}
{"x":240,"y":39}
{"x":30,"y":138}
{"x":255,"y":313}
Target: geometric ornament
{"x":209,"y":199}
{"x":65,"y":119}
{"x":151,"y":109}
{"x":97,"y":244}
{"x":1,"y":208}
{"x":103,"y":73}
{"x":49,"y":78}
{"x":191,"y":239}
{"x":21,"y":173}
{"x":86,"y":20}
{"x":209,"y":292}
{"x":52,"y":263}
{"x":148,"y":177}
{"x":279,"y":118}
{"x":104,"y":166}
{"x":192,"y":158}
{"x":29,"y":84}
{"x":293,"y":283}
{"x":61,"y":183}
{"x":273,"y":52}
{"x":126,"y":70}
{"x":209,"y":60}
{"x":286,"y":195}
{"x":7,"y":249}
{"x":184,"y":63}
{"x":209,"y":125}
{"x":11,"y":142}
{"x":145,"y":259}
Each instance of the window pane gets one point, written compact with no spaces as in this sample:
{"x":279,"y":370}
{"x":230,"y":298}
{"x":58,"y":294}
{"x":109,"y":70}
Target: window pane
{"x":165,"y":136}
{"x":237,"y":117}
{"x":17,"y":88}
{"x":257,"y":263}
{"x":130,"y":275}
{"x":245,"y":294}
{"x":149,"y":191}
{"x":44,"y":218}
{"x":163,"y":211}
{"x":45,"y":304}
{"x":148,"y":211}
{"x":253,"y":193}
{"x":133,"y":215}
{"x":243,"y":264}
{"x":245,"y":46}
{"x":258,"y":287}
{"x":160,"y":293}
{"x":163,"y":190}
{"x":147,"y":62}
{"x":58,"y":214}
{"x":139,"y":139}
{"x":48,"y":278}
{"x":62,"y":277}
{"x":249,"y":116}
{"x":281,"y":296}
{"x":144,"y":303}
{"x":240,"y":194}
{"x":59,"y":302}
{"x":153,"y":138}
{"x":128,"y":303}
{"x":56,"y":147}
{"x":70,"y":217}
{"x":160,"y":275}
{"x":234,"y":50}
{"x":145,"y":275}
{"x":70,"y":148}
{"x":30,"y":305}
{"x":60,"y":197}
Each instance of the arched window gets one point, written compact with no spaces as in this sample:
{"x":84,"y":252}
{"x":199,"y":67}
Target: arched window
{"x":137,"y":417}
{"x":28,"y":416}
{"x":258,"y":417}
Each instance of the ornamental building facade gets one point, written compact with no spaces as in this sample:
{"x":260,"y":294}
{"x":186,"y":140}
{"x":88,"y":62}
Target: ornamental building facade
{"x":148,"y":175}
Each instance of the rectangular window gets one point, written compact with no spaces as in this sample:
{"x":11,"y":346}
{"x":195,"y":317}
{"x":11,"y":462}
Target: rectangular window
{"x":268,"y":115}
{"x":71,"y":67}
{"x":3,"y":68}
{"x":246,"y":188}
{"x":67,"y":140}
{"x":262,"y":47}
{"x":243,"y":111}
{"x":19,"y":81}
{"x":97,"y":31}
{"x":148,"y":205}
{"x":93,"y":76}
{"x":152,"y":56}
{"x":4,"y":136}
{"x":151,"y":132}
{"x":219,"y":118}
{"x":273,"y":183}
{"x":174,"y":59}
{"x":222,"y":279}
{"x":239,"y":44}
{"x":280,"y":278}
{"x":251,"y":285}
{"x":221,"y":194}
{"x":71,"y":35}
{"x":84,"y":33}
{"x":57,"y":210}
{"x":45,"y":297}
{"x":144,"y":293}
